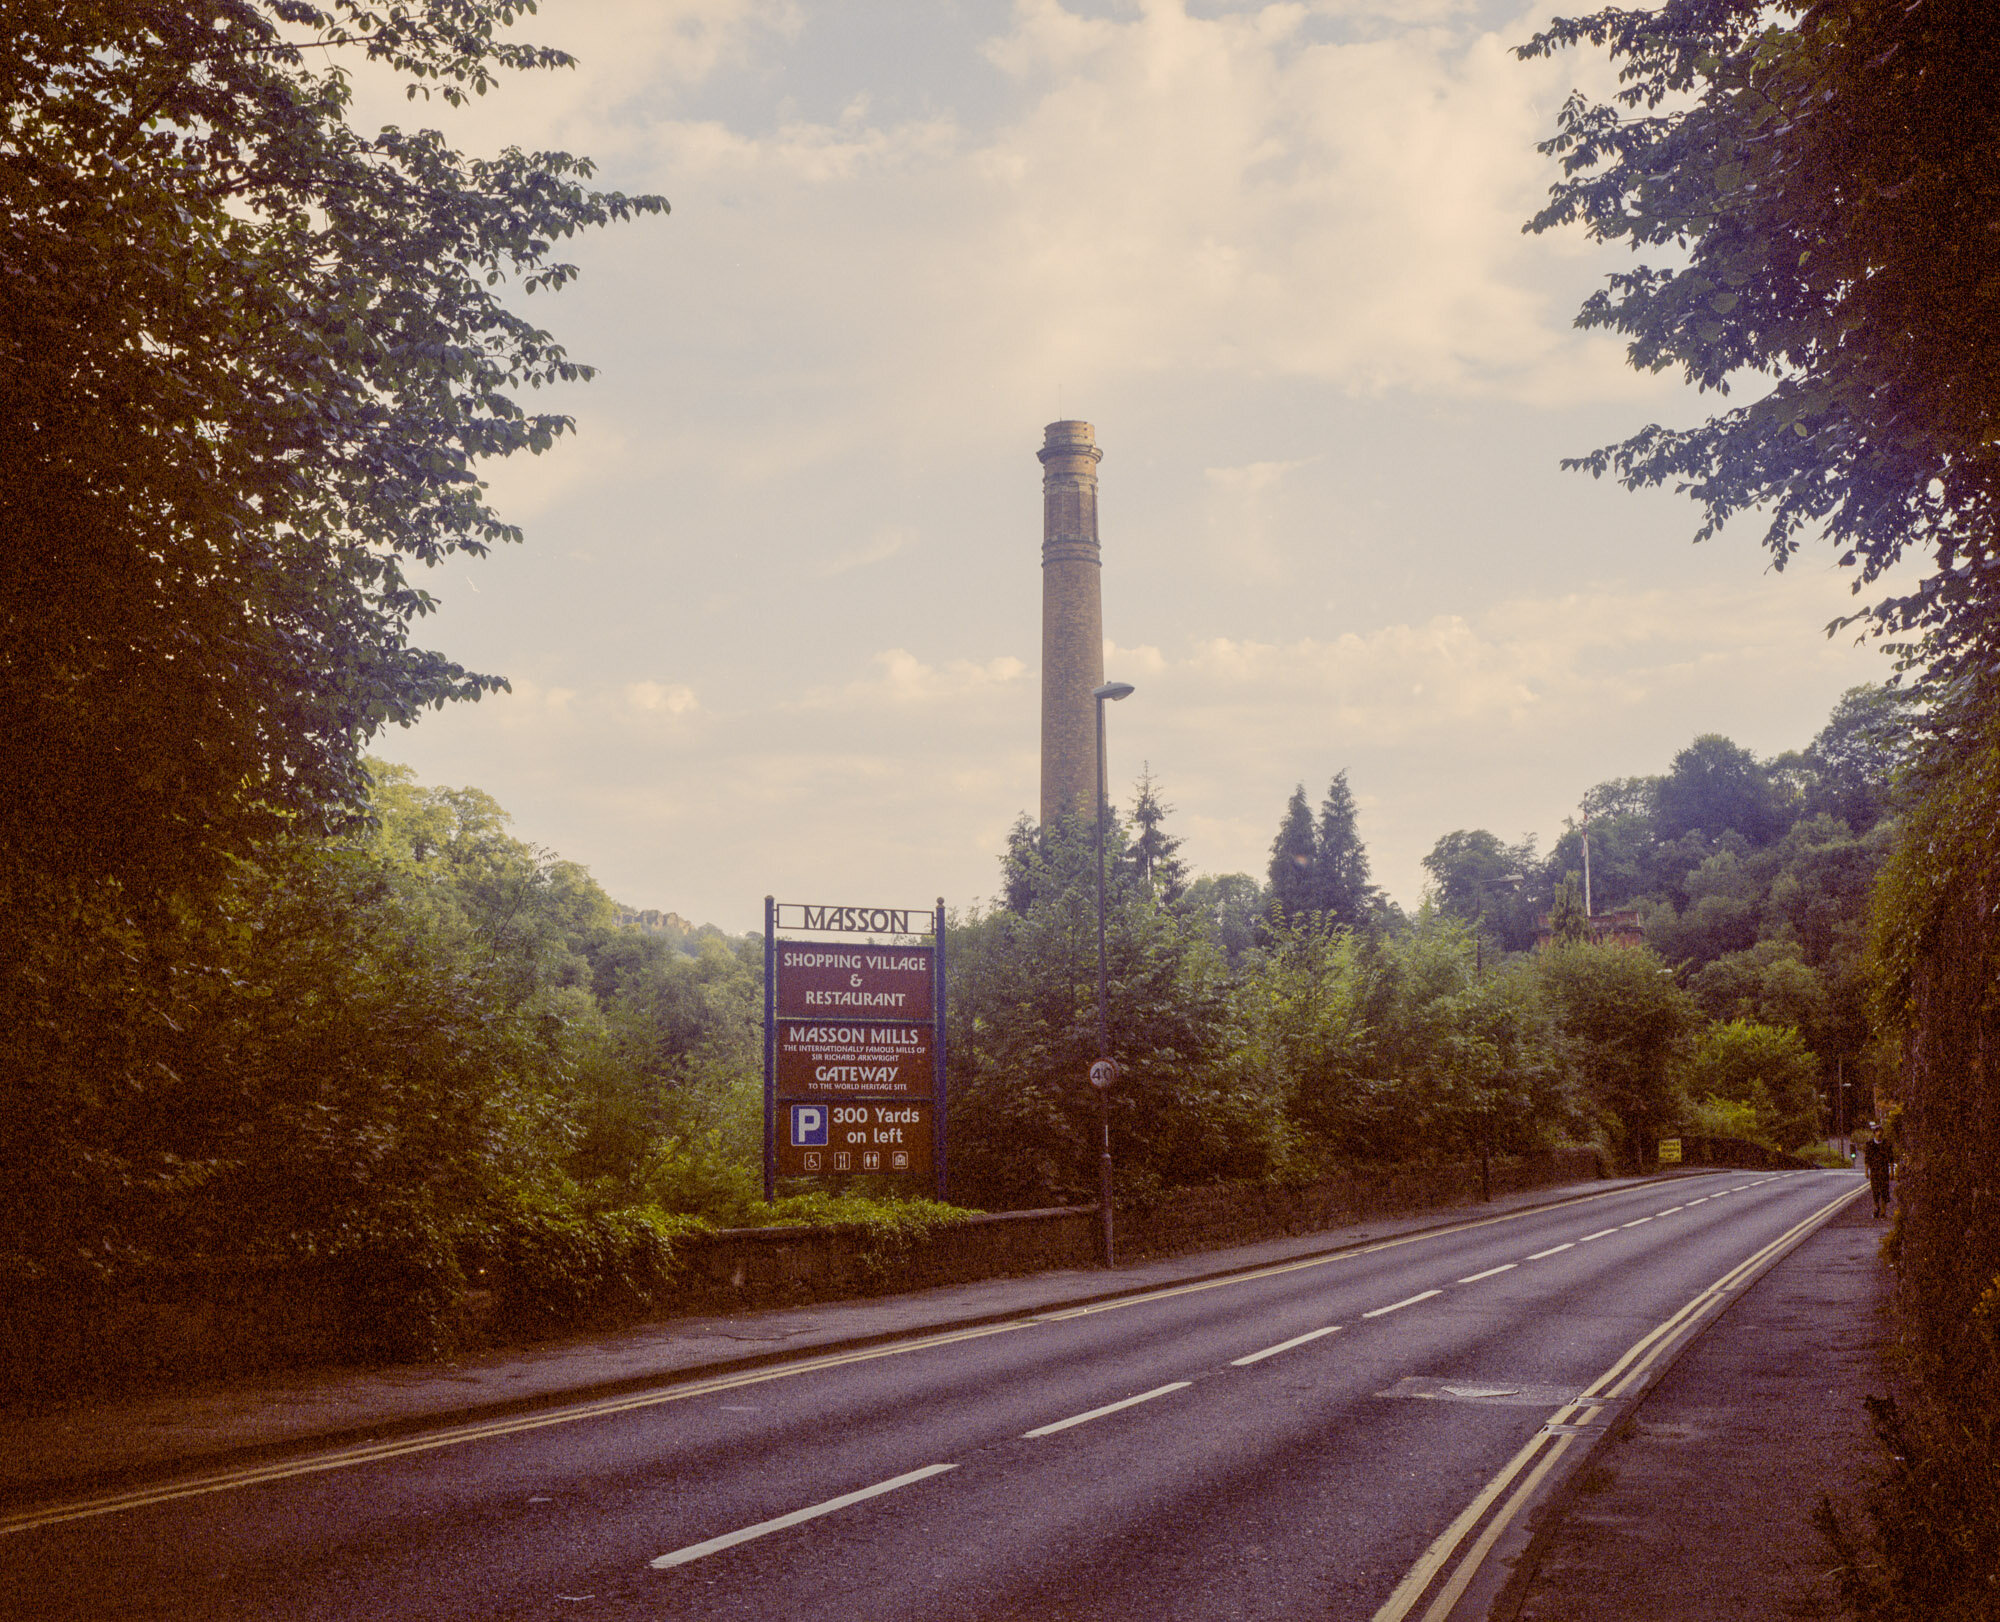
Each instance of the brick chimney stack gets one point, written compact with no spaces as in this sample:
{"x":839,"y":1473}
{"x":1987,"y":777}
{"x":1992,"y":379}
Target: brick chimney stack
{"x":1072,"y":620}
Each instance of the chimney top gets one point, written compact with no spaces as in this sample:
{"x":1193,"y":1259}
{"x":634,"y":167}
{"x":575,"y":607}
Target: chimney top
{"x":1070,"y":437}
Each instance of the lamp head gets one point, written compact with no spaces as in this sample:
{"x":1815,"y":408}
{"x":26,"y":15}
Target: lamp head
{"x":1113,"y":690}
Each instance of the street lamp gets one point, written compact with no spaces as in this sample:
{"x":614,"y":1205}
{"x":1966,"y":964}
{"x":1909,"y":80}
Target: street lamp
{"x":1102,"y":1073}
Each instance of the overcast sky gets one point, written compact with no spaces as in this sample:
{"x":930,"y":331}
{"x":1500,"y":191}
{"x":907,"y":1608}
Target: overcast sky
{"x":776,"y":624}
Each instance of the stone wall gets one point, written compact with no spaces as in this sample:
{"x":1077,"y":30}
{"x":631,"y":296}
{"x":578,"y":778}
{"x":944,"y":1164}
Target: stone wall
{"x":212,"y":1321}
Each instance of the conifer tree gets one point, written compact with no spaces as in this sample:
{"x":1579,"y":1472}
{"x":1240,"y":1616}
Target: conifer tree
{"x":1153,"y":850}
{"x":1294,"y":859}
{"x":1342,"y":890}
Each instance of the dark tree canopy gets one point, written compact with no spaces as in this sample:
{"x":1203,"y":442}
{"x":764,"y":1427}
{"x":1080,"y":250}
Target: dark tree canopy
{"x":1855,"y":765}
{"x":1343,"y":890}
{"x":1487,"y":883}
{"x":1716,"y":786}
{"x":1823,"y":179}
{"x":1320,"y":867}
{"x":1294,"y":851}
{"x":253,"y":357}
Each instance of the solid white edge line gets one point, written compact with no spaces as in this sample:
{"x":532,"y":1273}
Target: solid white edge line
{"x":1553,"y":1250}
{"x":1602,"y":1233}
{"x":1407,"y":1301}
{"x":1282,"y":1346}
{"x":729,"y":1540}
{"x":1108,"y":1408}
{"x":1504,"y":1267}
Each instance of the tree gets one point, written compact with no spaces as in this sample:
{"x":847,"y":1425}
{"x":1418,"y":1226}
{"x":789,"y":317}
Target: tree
{"x":1825,"y":177}
{"x":1017,"y":865}
{"x":1152,"y":851}
{"x":1322,"y":867}
{"x":1229,"y":907}
{"x":1340,"y":869}
{"x":1716,"y":787}
{"x":1294,"y":854}
{"x":254,"y":357}
{"x":1024,"y":1033}
{"x":1569,"y":924}
{"x":1481,"y":880}
{"x":1765,"y":1067}
{"x":1859,"y":757}
{"x":1630,"y":1025}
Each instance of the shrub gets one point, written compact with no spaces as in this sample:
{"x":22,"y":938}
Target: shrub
{"x":556,"y":1269}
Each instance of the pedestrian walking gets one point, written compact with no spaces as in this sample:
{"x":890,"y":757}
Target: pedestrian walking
{"x":1880,"y":1159}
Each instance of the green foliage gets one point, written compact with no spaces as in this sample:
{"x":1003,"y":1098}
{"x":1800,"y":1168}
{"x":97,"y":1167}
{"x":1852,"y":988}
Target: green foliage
{"x":254,"y":360}
{"x":1716,"y":787}
{"x":1764,"y":1069}
{"x":1935,"y":955}
{"x":1294,"y":851}
{"x":1630,"y":1026}
{"x":1711,"y":1116}
{"x":1024,"y":1030}
{"x":1857,"y":764}
{"x":254,"y":357}
{"x":1230,"y":909}
{"x":1478,"y":878}
{"x":1152,"y":850}
{"x":1401,"y":1049}
{"x":561,"y":1269}
{"x":1321,"y":867}
{"x":1569,"y":924}
{"x":1823,"y":178}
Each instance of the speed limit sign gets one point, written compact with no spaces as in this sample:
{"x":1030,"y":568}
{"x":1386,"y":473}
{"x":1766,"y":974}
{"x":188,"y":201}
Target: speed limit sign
{"x":1103,"y":1073}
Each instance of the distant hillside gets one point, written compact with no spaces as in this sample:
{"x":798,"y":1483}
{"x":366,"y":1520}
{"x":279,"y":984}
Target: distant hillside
{"x":652,"y":921}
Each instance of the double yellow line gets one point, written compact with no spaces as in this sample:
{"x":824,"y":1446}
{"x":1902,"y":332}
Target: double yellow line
{"x":374,"y":1452}
{"x":1526,"y":1471}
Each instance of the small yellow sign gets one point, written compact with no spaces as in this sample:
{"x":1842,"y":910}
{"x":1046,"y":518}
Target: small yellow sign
{"x":1670,"y":1151}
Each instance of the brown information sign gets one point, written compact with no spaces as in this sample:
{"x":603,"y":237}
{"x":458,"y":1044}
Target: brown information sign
{"x":852,"y":1058}
{"x":831,"y":982}
{"x":824,"y":1136}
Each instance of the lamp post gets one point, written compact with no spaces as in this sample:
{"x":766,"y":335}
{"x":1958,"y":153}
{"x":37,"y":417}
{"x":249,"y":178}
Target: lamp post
{"x":1102,"y":1073}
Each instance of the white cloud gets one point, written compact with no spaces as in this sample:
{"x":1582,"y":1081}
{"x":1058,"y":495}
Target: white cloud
{"x":885,"y":544}
{"x":906,"y":681}
{"x":661,"y":698}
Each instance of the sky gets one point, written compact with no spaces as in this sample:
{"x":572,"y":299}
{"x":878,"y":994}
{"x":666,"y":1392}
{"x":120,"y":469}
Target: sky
{"x":775,"y":625}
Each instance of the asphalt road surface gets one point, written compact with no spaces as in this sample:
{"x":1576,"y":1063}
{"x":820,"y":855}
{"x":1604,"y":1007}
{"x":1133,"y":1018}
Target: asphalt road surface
{"x":1292,"y":1442}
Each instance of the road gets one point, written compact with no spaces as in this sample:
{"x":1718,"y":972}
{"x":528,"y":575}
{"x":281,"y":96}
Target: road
{"x":1290,"y":1442}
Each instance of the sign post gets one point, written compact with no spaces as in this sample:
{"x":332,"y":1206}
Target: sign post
{"x":854,"y":1043}
{"x":1103,"y":1073}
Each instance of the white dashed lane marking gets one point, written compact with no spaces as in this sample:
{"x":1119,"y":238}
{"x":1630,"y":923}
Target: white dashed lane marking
{"x":729,"y":1540}
{"x":1407,"y":1301}
{"x":1282,"y":1346}
{"x":1108,"y":1408}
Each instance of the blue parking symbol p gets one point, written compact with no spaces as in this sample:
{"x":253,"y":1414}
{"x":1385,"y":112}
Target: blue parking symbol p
{"x":808,"y":1126}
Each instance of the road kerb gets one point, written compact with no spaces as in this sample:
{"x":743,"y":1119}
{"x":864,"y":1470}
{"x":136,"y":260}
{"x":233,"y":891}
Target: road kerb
{"x":1482,"y":1580}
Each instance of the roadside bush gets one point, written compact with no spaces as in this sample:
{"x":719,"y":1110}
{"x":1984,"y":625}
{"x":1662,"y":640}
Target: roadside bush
{"x":555,"y":1270}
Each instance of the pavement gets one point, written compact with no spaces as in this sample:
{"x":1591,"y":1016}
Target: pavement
{"x":1760,"y":1413}
{"x":1699,"y":1507}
